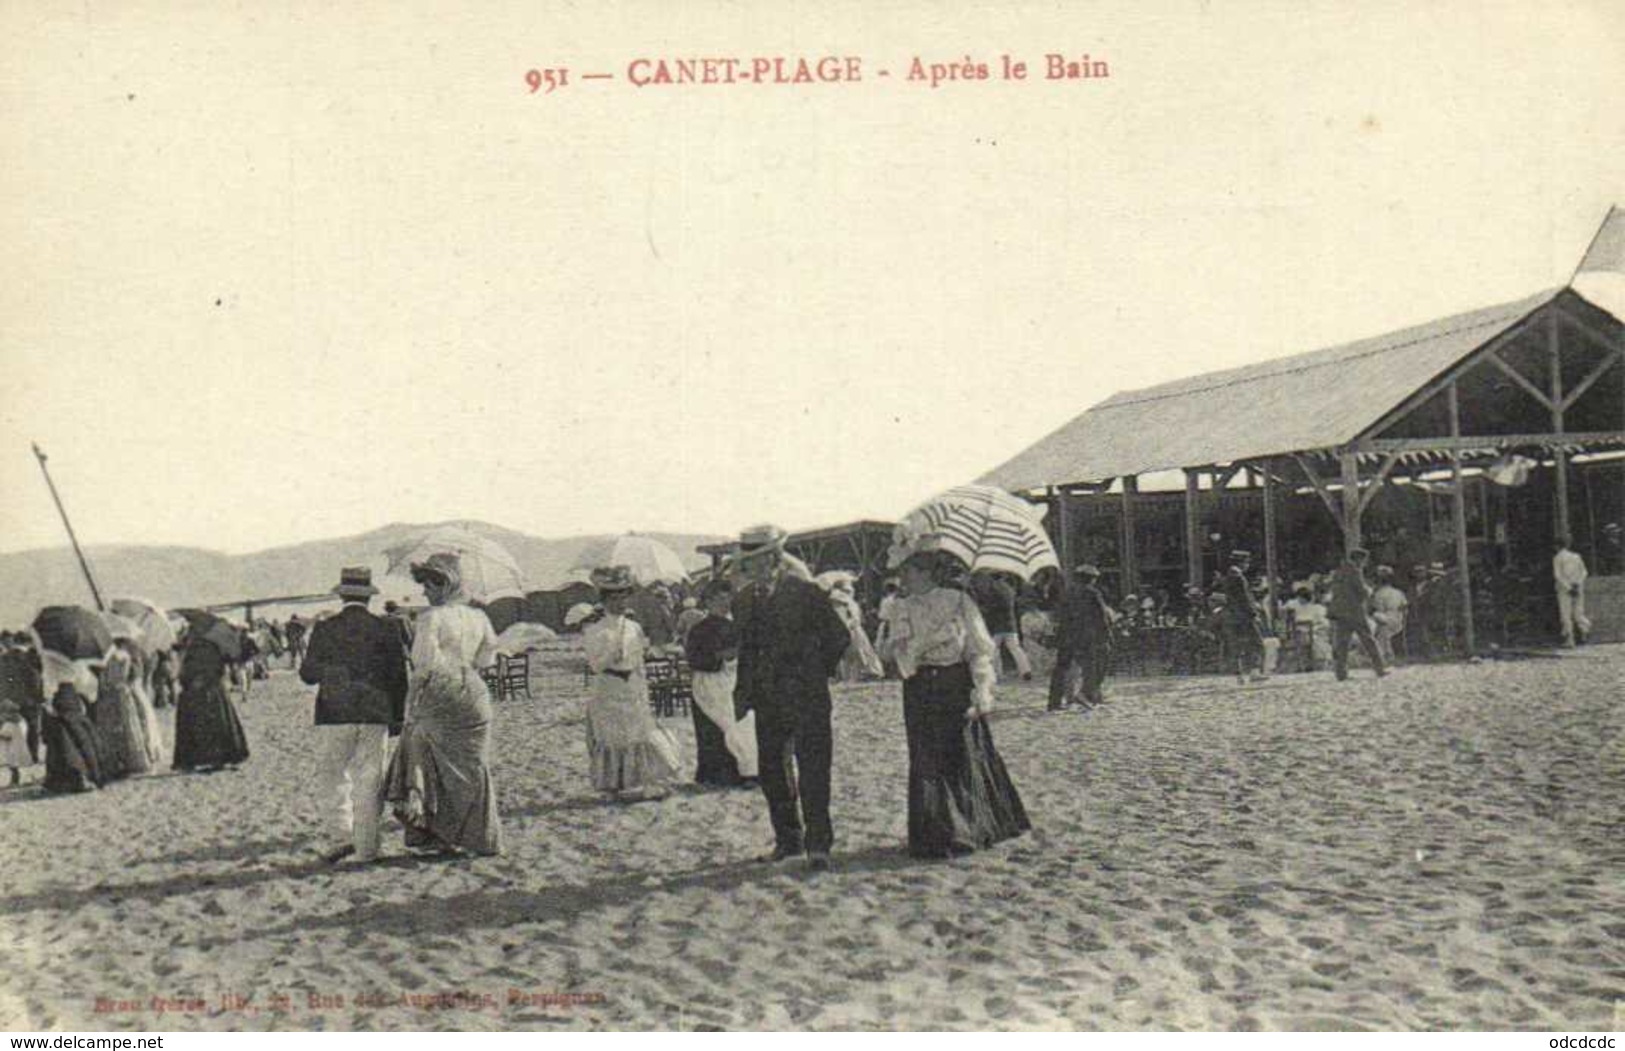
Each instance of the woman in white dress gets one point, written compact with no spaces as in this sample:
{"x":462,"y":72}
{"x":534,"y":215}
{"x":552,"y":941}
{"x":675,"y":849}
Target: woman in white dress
{"x":629,"y":754}
{"x":440,"y":779}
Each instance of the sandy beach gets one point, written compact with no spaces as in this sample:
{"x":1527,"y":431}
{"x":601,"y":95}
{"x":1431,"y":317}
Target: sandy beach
{"x":1443,"y":849}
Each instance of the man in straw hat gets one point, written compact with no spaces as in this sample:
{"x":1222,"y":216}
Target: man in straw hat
{"x":1083,"y":639}
{"x":358,"y":662}
{"x":790,"y":644}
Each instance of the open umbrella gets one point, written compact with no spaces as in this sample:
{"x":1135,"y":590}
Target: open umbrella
{"x":649,"y":559}
{"x":517,"y":638}
{"x":122,"y":627}
{"x":984,"y":527}
{"x":73,"y":633}
{"x":579,"y":614}
{"x":487,"y":567}
{"x":215,"y":631}
{"x":157,"y":634}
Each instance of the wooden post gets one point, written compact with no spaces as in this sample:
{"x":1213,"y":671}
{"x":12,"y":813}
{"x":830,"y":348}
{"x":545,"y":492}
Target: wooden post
{"x":1351,"y":502}
{"x":1063,"y":532}
{"x":84,"y":566}
{"x":1458,"y":516}
{"x":1129,"y":557}
{"x":1272,"y":568}
{"x":1562,"y":458}
{"x":1193,"y":529}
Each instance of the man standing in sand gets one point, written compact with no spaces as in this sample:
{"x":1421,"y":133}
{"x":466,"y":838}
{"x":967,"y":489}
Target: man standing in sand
{"x":1083,"y":638}
{"x":790,"y":644}
{"x":1569,"y":575}
{"x":1351,"y":596}
{"x":359,"y":662}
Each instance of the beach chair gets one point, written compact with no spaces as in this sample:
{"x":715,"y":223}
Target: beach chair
{"x":671,"y":685}
{"x":513,"y":673}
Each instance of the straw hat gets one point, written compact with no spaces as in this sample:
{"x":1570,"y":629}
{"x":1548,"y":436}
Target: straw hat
{"x":355,"y":582}
{"x":613,"y":580}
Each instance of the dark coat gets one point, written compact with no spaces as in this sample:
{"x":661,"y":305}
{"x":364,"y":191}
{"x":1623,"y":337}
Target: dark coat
{"x":1350,"y":594}
{"x":790,"y":644}
{"x":1085,"y":624}
{"x":1239,"y":605}
{"x":359,"y":662}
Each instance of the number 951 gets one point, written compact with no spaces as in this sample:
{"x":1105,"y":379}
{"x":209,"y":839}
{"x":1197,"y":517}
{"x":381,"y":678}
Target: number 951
{"x":553,"y":78}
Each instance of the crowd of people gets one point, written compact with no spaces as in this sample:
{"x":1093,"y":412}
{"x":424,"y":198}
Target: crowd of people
{"x":762,"y":642}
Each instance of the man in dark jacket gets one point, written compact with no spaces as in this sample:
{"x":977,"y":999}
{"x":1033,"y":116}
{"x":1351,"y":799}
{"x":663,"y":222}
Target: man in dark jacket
{"x":1084,"y":638}
{"x":358,"y":661}
{"x":790,"y":644}
{"x":1350,"y":602}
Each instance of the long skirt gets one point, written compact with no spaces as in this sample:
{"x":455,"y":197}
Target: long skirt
{"x":730,"y":743}
{"x":207,"y":730}
{"x":440,"y":778}
{"x":14,"y":750}
{"x":152,"y":732}
{"x":121,"y":734}
{"x":627,"y":750}
{"x":71,"y":760}
{"x":960,"y":797}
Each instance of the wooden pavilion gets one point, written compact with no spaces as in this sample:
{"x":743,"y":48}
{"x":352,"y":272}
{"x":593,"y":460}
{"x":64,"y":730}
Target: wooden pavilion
{"x":1536,"y":385}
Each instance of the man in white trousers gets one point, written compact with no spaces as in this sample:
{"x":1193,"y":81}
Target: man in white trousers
{"x":358,"y":661}
{"x":1569,"y":575}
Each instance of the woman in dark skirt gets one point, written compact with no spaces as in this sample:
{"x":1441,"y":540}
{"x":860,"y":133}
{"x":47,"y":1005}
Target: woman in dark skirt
{"x":725,"y":750}
{"x":960,"y":797}
{"x":208,"y":734}
{"x":71,"y":761}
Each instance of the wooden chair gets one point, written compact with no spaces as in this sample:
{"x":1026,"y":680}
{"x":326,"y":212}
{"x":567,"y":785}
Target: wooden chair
{"x":671,"y":686}
{"x":513,"y":676}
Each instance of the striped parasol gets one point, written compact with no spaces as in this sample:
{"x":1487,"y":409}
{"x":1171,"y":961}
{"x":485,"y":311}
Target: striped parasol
{"x":984,"y":527}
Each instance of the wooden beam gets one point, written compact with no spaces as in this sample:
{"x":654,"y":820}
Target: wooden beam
{"x":1371,"y":491}
{"x":1063,"y":530}
{"x":1458,"y":518}
{"x":1519,"y":378}
{"x":1351,"y":501}
{"x":1448,"y":379}
{"x":1222,"y":479}
{"x":1591,"y":377}
{"x":1597,"y":338}
{"x":1554,"y":348}
{"x":1193,"y":529}
{"x":1272,"y":568}
{"x":1325,"y":493}
{"x":1488,"y":441}
{"x":1129,"y":557}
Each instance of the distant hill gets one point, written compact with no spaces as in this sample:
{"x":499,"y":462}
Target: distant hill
{"x":184,"y":576}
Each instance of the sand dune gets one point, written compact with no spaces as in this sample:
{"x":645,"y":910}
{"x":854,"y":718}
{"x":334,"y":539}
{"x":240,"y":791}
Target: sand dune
{"x":1439,"y":850}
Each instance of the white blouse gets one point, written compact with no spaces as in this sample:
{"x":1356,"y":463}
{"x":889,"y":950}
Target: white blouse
{"x":452,"y":637}
{"x":615,"y":643}
{"x":943,"y":627}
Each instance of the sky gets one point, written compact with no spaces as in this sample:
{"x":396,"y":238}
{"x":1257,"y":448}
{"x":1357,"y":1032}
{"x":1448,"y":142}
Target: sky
{"x":278,"y":272}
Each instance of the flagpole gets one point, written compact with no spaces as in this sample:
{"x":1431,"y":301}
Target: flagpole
{"x":83,"y":565}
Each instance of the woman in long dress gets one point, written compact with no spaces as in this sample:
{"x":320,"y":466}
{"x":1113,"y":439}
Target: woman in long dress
{"x":960,"y":797}
{"x":440,"y":778}
{"x":629,"y":754}
{"x":725,"y":747}
{"x":72,"y":763}
{"x":208,"y":733}
{"x":121,"y":731}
